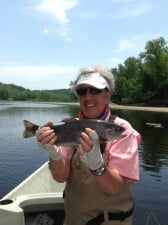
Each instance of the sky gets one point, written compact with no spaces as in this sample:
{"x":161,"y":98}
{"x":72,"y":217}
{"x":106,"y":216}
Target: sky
{"x":44,"y":43}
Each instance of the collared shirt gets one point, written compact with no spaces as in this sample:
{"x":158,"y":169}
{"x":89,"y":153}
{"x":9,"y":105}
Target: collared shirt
{"x":122,"y":155}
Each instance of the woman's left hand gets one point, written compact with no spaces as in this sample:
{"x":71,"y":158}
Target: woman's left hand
{"x":86,"y":143}
{"x":89,"y":149}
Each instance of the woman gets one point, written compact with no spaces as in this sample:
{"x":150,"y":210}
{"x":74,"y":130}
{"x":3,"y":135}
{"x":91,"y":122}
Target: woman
{"x":98,"y":177}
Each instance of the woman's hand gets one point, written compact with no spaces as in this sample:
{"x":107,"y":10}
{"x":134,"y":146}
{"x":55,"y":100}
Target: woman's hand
{"x":86,"y":142}
{"x":59,"y":165}
{"x":89,"y":149}
{"x":45,"y":135}
{"x":46,"y":140}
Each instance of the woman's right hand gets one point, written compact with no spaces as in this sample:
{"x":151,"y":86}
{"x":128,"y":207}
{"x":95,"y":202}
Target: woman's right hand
{"x":45,"y":135}
{"x":46,"y":140}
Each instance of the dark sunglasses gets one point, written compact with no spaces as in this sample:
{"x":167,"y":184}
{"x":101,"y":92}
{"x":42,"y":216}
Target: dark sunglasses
{"x":91,"y":90}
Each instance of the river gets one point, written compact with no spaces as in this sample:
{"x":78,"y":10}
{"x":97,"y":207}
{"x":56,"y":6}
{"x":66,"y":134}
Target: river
{"x":19,"y":157}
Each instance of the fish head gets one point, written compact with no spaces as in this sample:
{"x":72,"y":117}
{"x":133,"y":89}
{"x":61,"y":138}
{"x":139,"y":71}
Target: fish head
{"x":114,"y":133}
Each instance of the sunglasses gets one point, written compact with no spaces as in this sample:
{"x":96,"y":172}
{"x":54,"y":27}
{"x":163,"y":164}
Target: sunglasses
{"x":90,"y":90}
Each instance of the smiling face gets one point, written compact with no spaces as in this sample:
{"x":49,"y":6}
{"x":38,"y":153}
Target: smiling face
{"x":92,"y":105}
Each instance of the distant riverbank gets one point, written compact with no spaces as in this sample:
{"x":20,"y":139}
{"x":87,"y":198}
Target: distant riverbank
{"x":116,"y":106}
{"x":112,"y":106}
{"x":140,"y":108}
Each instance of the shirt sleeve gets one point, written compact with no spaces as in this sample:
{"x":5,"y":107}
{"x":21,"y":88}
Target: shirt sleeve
{"x":122,"y":154}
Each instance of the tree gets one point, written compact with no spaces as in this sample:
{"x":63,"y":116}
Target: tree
{"x":155,"y":70}
{"x":127,"y":79}
{"x":3,"y":94}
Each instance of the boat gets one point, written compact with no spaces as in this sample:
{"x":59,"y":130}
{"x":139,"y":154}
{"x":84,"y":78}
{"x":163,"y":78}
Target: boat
{"x":36,"y":200}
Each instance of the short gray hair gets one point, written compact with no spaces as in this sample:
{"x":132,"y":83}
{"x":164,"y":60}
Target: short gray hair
{"x":104,"y":72}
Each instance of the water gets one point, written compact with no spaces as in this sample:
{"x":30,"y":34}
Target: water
{"x":19,"y":157}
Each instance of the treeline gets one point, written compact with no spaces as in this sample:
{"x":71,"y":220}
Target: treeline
{"x":142,"y":81}
{"x":11,"y":92}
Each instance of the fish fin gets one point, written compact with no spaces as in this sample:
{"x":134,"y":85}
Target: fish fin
{"x":30,"y":129}
{"x":68,"y":120}
{"x":112,"y":118}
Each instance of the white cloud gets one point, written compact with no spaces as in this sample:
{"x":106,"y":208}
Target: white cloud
{"x":124,"y":45}
{"x":128,"y":48}
{"x":46,"y":31}
{"x":122,"y":1}
{"x":38,"y":77}
{"x":66,"y":36}
{"x":115,"y":61}
{"x":91,"y":15}
{"x":57,"y":8}
{"x":133,"y":43}
{"x":134,"y":11}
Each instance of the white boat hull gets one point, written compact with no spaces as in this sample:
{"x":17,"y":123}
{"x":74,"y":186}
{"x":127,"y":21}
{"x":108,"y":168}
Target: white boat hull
{"x":36,"y":194}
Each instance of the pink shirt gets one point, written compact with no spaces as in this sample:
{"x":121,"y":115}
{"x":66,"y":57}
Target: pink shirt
{"x":122,"y":154}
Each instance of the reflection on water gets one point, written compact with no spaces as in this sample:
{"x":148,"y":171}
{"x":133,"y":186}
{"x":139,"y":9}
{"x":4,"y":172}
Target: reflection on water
{"x":19,"y":157}
{"x":151,"y":192}
{"x":154,"y":146}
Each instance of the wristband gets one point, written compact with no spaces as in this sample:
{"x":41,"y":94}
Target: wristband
{"x":99,"y":172}
{"x":54,"y":152}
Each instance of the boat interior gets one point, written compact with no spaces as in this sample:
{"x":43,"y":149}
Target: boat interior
{"x":38,"y":200}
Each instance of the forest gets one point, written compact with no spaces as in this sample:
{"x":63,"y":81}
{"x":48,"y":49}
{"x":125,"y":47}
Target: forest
{"x":138,"y":81}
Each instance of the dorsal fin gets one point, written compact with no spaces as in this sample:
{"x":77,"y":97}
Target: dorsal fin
{"x":69,"y":120}
{"x":112,"y":118}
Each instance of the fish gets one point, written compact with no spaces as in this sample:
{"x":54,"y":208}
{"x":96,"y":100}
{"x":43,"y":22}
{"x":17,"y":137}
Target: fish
{"x":69,"y":133}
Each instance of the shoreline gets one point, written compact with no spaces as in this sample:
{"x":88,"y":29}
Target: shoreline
{"x":140,"y":108}
{"x":112,"y":106}
{"x":116,"y":106}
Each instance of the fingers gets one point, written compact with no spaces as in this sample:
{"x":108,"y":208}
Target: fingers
{"x":85,"y":141}
{"x":81,"y":151}
{"x":88,"y":130}
{"x":49,"y":124}
{"x":47,"y":136}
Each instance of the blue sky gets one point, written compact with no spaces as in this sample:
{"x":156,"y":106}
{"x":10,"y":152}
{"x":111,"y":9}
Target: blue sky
{"x":44,"y":43}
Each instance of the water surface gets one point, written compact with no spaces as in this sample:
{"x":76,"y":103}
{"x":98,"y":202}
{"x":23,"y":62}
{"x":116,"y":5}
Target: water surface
{"x":19,"y":157}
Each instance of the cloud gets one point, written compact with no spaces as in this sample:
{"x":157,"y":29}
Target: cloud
{"x":115,"y":61}
{"x":57,"y":8}
{"x":91,"y":15}
{"x":132,"y":43}
{"x":66,"y":36}
{"x":122,"y":1}
{"x":134,"y":11}
{"x":46,"y":31}
{"x":124,"y":45}
{"x":128,"y":48}
{"x":38,"y":77}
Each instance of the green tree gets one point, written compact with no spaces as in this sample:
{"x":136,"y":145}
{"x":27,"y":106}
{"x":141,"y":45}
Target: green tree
{"x":127,"y":78}
{"x":155,"y":70}
{"x":3,"y":93}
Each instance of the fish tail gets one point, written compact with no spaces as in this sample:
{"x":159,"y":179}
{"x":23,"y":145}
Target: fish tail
{"x":30,"y":129}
